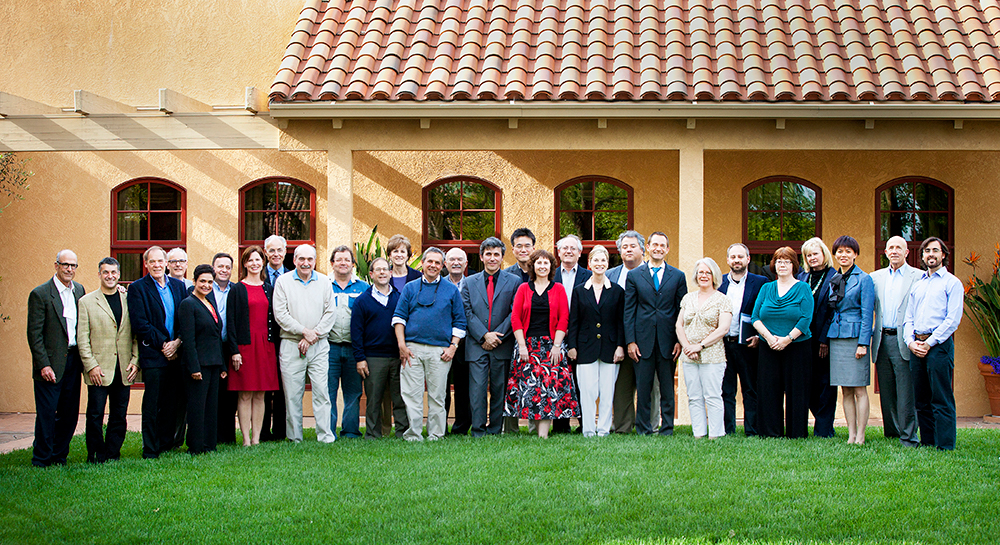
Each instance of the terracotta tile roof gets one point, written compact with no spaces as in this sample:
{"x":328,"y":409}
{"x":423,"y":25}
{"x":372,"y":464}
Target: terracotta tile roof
{"x":709,"y":50}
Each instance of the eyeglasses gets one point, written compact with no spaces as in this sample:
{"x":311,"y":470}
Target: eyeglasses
{"x":380,"y":270}
{"x":71,"y":266}
{"x":421,"y":291}
{"x":176,"y":261}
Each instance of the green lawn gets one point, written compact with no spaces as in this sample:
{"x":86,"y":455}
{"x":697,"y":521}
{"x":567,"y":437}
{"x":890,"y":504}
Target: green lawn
{"x":516,"y":489}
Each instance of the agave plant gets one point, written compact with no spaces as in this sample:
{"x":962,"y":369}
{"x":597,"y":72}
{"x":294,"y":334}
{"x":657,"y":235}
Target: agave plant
{"x":982,"y":302}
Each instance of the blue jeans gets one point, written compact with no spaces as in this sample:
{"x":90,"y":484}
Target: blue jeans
{"x":344,"y":373}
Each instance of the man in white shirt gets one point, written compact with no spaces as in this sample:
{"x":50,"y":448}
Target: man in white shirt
{"x":570,"y":275}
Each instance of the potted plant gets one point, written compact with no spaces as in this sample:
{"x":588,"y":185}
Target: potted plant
{"x":982,"y":306}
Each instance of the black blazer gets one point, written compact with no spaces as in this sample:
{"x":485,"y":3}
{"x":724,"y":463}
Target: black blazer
{"x":201,"y":336}
{"x":145,"y":311}
{"x":582,"y":274}
{"x":651,"y":315}
{"x":822,"y":309}
{"x":750,"y":292}
{"x":238,"y":316}
{"x":596,"y":329}
{"x":47,"y":335}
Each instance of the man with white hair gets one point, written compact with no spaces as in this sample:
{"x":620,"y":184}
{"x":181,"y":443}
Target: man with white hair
{"x":570,"y":274}
{"x":177,"y":265}
{"x":273,"y":428}
{"x":275,"y":247}
{"x":304,"y":309}
{"x":55,"y":361}
{"x":457,"y":262}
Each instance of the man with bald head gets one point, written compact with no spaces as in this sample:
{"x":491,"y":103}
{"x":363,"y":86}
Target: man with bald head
{"x":177,"y":265}
{"x":304,"y":308}
{"x":457,"y":263}
{"x":55,"y":361}
{"x":889,"y":350}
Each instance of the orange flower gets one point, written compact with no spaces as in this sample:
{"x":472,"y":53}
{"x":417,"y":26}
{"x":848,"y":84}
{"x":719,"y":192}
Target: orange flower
{"x":973,"y":259}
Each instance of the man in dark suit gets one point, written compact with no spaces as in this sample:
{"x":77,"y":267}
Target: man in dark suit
{"x":153,"y":301}
{"x":488,"y":298}
{"x":653,"y":293}
{"x":742,"y":288}
{"x":570,"y":274}
{"x":55,"y":361}
{"x":273,"y":428}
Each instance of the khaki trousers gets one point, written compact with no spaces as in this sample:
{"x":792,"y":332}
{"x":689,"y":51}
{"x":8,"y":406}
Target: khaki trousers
{"x":293,"y":373}
{"x":427,"y":366}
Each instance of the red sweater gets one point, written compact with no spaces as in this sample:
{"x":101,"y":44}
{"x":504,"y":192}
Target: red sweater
{"x":558,"y":309}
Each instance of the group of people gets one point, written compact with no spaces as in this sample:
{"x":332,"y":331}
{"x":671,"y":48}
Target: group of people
{"x":545,"y":339}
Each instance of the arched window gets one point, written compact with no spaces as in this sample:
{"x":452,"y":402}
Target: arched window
{"x":147,"y":212}
{"x":461,"y":212}
{"x":596,"y":209}
{"x":277,"y":206}
{"x":779,"y":211}
{"x":914,"y":208}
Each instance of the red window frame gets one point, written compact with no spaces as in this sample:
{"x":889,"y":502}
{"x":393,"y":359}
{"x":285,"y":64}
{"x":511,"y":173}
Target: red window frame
{"x":470,"y":246}
{"x":588,"y":244}
{"x":277,"y":180}
{"x":767,"y":247}
{"x":140,"y":246}
{"x":914,"y":245}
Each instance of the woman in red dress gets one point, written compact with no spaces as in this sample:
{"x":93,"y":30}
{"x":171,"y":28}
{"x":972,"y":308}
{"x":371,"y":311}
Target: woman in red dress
{"x":251,"y":335}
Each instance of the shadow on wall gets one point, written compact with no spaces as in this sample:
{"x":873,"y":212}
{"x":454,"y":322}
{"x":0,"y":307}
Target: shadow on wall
{"x":406,"y":190}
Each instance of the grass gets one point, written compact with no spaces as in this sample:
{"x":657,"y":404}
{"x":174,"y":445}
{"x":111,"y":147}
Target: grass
{"x":621,"y":489}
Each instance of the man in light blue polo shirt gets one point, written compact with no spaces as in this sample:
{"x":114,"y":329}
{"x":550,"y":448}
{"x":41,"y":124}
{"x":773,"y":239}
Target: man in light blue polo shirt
{"x":343,"y":370}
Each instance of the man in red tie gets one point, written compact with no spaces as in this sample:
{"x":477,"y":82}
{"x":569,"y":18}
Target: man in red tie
{"x":488,"y":297}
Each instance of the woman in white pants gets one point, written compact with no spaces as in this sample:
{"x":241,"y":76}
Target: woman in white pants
{"x":596,"y":338}
{"x":704,"y":319}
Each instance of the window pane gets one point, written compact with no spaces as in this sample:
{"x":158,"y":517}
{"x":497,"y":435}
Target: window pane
{"x":798,"y":197}
{"x":443,"y":225}
{"x":799,"y":225}
{"x":576,"y":223}
{"x":764,"y":197}
{"x":134,"y":197}
{"x":445,"y":196}
{"x":884,"y":200}
{"x":260,"y":197}
{"x":930,"y":197}
{"x":162,"y":197}
{"x":475,"y":195}
{"x":607,"y":225}
{"x":258,"y":225}
{"x":165,"y":226}
{"x":931,"y":225}
{"x":897,"y":223}
{"x":610,"y":197}
{"x":763,"y":226}
{"x":901,"y":197}
{"x":576,"y":196}
{"x":294,"y":225}
{"x":133,"y":226}
{"x":478,"y":225}
{"x":131,"y":266}
{"x":292,"y":197}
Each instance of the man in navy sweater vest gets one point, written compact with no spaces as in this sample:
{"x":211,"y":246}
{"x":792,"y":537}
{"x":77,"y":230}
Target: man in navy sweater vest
{"x":429,"y":321}
{"x":375,"y":349}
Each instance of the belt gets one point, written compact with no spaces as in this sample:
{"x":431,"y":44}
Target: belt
{"x":888,"y":331}
{"x":731,"y":339}
{"x":922,"y":336}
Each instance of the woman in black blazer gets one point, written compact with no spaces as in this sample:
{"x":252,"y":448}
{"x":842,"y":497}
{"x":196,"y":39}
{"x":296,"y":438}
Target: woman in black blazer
{"x":596,"y":339}
{"x":203,"y":360}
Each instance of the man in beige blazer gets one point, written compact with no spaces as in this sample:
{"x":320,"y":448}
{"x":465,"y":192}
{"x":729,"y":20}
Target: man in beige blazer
{"x":110,"y":356}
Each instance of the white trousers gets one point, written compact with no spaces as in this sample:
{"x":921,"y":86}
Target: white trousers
{"x":597,"y":382}
{"x":293,"y":374}
{"x":427,"y":366}
{"x":704,"y":389}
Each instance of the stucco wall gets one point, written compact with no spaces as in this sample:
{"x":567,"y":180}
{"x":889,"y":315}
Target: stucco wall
{"x":69,"y":206}
{"x":848,"y":180}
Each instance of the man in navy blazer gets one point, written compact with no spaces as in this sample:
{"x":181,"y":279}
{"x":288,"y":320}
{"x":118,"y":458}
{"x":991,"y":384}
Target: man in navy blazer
{"x":153,"y":301}
{"x":570,"y":274}
{"x":273,"y":428}
{"x":653,"y":293}
{"x":742,"y":287}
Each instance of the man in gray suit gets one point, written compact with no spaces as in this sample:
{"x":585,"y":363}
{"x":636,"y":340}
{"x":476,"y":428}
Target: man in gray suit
{"x":488,"y":298}
{"x":653,"y":293}
{"x":892,"y":357}
{"x":55,"y":361}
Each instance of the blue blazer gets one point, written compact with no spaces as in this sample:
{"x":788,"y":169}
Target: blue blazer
{"x":582,"y":274}
{"x":822,"y":310}
{"x":854,"y":315}
{"x":145,"y":311}
{"x":750,"y":292}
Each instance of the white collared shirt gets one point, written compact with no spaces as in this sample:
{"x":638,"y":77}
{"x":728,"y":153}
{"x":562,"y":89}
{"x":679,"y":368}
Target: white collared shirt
{"x":383,"y":299}
{"x":568,"y":281}
{"x":623,"y":276}
{"x":69,"y":308}
{"x":891,"y":296}
{"x":735,"y":295}
{"x":589,"y":284}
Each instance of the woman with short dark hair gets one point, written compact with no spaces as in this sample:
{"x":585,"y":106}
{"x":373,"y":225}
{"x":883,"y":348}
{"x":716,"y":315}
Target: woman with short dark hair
{"x":850,"y":335}
{"x":782,"y":316}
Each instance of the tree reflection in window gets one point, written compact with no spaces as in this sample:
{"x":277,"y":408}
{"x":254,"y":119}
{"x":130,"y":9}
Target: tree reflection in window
{"x":597,"y":210}
{"x":915,"y":209}
{"x":779,"y":211}
{"x":461,"y":210}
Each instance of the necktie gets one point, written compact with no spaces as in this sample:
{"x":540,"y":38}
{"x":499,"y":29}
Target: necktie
{"x":489,"y":298}
{"x":274,"y":276}
{"x":656,"y":277}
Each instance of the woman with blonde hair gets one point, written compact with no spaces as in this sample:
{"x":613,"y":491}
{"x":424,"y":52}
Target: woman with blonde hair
{"x":818,"y":271}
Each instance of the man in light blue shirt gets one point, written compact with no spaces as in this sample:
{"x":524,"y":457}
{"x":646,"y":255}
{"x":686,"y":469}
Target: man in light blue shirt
{"x":223,"y":265}
{"x":932,"y":316}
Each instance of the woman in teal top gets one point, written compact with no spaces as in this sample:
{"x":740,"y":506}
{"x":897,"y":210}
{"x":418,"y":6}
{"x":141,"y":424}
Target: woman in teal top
{"x":782,"y":316}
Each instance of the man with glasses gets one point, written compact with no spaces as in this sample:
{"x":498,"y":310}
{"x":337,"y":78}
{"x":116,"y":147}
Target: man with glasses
{"x":273,"y":428}
{"x":429,"y":321}
{"x":177,"y":264}
{"x":55,"y":361}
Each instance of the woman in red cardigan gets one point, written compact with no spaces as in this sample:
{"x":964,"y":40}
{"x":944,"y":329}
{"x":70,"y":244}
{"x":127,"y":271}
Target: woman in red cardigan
{"x":540,"y":387}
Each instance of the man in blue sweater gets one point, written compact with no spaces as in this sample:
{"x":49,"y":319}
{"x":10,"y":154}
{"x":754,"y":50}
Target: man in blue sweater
{"x":375,"y":349}
{"x":429,"y":321}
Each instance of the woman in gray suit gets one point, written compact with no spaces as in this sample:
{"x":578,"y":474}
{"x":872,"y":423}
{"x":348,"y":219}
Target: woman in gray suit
{"x":850,"y":336}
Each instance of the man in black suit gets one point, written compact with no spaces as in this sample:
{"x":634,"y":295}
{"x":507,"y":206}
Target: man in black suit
{"x":742,"y":288}
{"x":570,"y":274}
{"x":153,"y":301}
{"x":273,"y":428}
{"x":55,"y":361}
{"x":653,"y":293}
